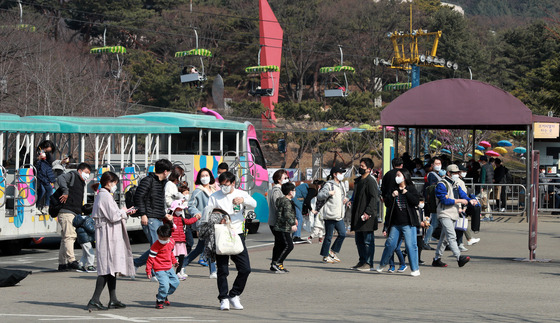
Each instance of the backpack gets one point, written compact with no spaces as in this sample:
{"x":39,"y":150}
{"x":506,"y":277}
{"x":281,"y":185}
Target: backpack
{"x":54,"y":202}
{"x":319,"y":204}
{"x":129,"y":196}
{"x":430,"y":205}
{"x":508,"y":177}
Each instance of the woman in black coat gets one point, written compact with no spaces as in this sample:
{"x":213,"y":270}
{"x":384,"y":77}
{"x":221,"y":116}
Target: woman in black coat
{"x":402,"y":220}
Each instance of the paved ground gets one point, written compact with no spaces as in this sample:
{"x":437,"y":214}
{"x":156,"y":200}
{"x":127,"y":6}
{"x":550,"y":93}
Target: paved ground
{"x":492,"y":287}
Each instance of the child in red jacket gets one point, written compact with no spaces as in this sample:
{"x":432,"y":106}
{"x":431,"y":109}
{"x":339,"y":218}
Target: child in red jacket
{"x":162,"y":261}
{"x":178,"y":234}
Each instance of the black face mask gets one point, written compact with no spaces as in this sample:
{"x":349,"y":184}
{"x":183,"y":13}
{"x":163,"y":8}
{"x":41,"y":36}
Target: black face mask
{"x":361,"y":171}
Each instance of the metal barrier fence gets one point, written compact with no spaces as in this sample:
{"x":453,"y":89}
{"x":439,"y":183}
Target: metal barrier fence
{"x":496,"y":199}
{"x":549,"y":194}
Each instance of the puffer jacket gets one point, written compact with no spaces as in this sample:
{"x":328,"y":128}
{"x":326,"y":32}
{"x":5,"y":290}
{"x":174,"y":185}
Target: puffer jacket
{"x":150,"y":197}
{"x":45,"y":174}
{"x":285,"y":215}
{"x":85,"y":228}
{"x":334,"y":208}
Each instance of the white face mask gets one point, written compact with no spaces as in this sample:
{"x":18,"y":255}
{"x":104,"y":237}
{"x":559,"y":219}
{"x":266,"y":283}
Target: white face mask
{"x":463,"y":174}
{"x":187,"y":196}
{"x":421,"y":205}
{"x":399,"y":179}
{"x":85,"y":176}
{"x":163,"y":241}
{"x":179,"y":212}
{"x":226,"y":189}
{"x":455,"y":177}
{"x":113,"y":189}
{"x":340,"y":177}
{"x":285,"y":180}
{"x":205,"y":180}
{"x":437,"y":168}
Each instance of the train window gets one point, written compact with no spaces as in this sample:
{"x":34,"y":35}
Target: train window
{"x":257,"y":152}
{"x":186,"y":143}
{"x":215,"y":143}
{"x":230,"y":141}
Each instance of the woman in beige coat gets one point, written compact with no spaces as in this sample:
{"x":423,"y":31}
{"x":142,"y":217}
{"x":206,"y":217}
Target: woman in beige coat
{"x":114,"y":254}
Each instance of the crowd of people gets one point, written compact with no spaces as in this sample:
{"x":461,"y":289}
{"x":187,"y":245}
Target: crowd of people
{"x":169,"y":214}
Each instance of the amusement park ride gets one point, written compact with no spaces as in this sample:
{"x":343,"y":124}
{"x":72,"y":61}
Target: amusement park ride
{"x":111,"y":50}
{"x":407,"y":56}
{"x":190,"y":73}
{"x":334,"y":88}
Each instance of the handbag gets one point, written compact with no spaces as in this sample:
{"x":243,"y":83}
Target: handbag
{"x":462,"y":224}
{"x":228,"y":242}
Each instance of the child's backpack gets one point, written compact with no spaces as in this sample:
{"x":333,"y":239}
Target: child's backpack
{"x":430,"y":205}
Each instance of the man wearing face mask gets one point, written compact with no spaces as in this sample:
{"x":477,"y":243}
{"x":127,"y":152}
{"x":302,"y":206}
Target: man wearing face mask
{"x":388,"y":182}
{"x":451,"y":199}
{"x":72,"y":184}
{"x":365,"y":207}
{"x":149,"y":199}
{"x":233,"y":202}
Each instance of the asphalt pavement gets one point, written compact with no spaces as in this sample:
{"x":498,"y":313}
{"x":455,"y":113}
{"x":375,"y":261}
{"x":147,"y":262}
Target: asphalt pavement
{"x":491,"y":287}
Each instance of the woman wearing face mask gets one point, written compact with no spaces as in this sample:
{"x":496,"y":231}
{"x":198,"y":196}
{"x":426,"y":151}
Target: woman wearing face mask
{"x":114,"y":254}
{"x":171,"y":188}
{"x":402,"y":221}
{"x":333,"y":194}
{"x":198,"y":201}
{"x":279,"y":177}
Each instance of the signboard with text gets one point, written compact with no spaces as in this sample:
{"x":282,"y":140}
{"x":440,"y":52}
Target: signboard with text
{"x":546,"y":130}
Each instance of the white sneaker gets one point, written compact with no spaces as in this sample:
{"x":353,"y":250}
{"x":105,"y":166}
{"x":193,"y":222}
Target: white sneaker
{"x":224,"y":304}
{"x":181,"y":276}
{"x":328,"y":260}
{"x":379,"y":269}
{"x":473,"y":241}
{"x":415,"y":273}
{"x":462,"y":247}
{"x":235,"y":303}
{"x":184,"y":273}
{"x":213,"y":275}
{"x":154,"y":279}
{"x":503,"y":209}
{"x":334,"y":256}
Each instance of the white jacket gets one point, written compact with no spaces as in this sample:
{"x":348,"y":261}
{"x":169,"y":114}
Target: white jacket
{"x":334,"y":208}
{"x":225,"y":202}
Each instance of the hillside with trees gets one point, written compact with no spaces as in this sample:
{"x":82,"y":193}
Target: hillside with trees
{"x":48,"y":69}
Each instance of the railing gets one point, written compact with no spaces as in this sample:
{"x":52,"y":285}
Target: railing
{"x":549,"y":194}
{"x":496,"y":199}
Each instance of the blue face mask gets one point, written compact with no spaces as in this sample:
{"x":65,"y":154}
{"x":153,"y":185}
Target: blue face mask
{"x":441,"y":172}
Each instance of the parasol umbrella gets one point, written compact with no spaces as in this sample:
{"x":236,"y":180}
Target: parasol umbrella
{"x":480,"y":148}
{"x":492,"y":153}
{"x":445,"y":131}
{"x":485,"y":144}
{"x":434,"y":147}
{"x":445,"y":151}
{"x":520,"y":150}
{"x":504,"y":143}
{"x":9,"y":277}
{"x":478,"y":152}
{"x":500,"y":150}
{"x":436,"y":142}
{"x":469,"y":155}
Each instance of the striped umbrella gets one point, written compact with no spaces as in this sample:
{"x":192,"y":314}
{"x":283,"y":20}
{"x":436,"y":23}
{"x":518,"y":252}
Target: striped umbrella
{"x":262,"y":69}
{"x":336,"y":69}
{"x":108,"y":49}
{"x":194,"y":52}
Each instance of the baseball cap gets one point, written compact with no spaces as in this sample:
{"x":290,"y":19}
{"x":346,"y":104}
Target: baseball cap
{"x":337,"y":169}
{"x":453,"y":168}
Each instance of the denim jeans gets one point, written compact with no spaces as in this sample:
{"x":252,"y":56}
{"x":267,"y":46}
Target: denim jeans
{"x":447,"y":237}
{"x":399,"y":254}
{"x":88,"y":255}
{"x":44,"y":191}
{"x":243,"y":267}
{"x":330,"y":225}
{"x":299,"y":218}
{"x":395,"y":235}
{"x":197,"y":251}
{"x":433,"y":224}
{"x":150,"y":231}
{"x":168,"y":283}
{"x":365,"y":242}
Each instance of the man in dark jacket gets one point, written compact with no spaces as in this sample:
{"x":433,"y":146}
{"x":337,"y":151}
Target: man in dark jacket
{"x":73,"y":185}
{"x":388,"y":182}
{"x":365,"y":207}
{"x":149,"y":199}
